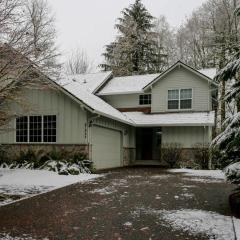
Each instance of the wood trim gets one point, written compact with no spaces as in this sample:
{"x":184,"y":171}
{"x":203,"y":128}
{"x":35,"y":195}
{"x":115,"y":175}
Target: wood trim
{"x":137,"y":109}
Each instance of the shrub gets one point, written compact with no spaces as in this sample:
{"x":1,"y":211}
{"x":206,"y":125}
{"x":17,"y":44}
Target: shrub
{"x":202,"y":155}
{"x":172,"y":154}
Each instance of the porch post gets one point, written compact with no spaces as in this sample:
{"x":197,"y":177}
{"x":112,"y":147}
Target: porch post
{"x":210,"y":152}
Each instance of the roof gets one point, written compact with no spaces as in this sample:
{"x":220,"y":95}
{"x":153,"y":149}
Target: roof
{"x":209,"y":72}
{"x":90,"y":81}
{"x":95,"y":103}
{"x":172,"y":119}
{"x":127,"y":85}
{"x":177,"y":64}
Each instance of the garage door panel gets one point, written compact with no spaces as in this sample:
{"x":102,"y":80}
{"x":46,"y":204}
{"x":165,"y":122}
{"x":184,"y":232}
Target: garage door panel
{"x":106,"y":148}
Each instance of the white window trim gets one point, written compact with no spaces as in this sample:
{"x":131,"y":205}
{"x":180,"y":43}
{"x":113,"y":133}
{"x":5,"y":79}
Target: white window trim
{"x":179,"y":100}
{"x":42,"y":142}
{"x":144,"y":95}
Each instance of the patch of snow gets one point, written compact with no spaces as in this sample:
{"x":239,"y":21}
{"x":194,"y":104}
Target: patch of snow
{"x":187,"y":195}
{"x":127,"y":85}
{"x":172,"y":119}
{"x":9,"y":237}
{"x":203,"y":180}
{"x":214,"y":225}
{"x":104,"y":191}
{"x":160,"y":176}
{"x":209,"y":72}
{"x":237,"y":227}
{"x":128,"y":224}
{"x":217,"y":174}
{"x":90,"y":81}
{"x":26,"y":182}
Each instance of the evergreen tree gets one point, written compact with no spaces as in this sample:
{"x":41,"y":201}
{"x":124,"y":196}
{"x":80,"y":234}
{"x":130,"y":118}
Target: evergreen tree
{"x":228,"y":142}
{"x":135,"y":50}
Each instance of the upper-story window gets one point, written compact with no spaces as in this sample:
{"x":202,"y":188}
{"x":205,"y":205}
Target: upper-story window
{"x":36,"y":129}
{"x":145,"y":99}
{"x":180,"y":99}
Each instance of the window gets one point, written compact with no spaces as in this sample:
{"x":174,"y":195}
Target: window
{"x":180,"y":99}
{"x":36,"y":129}
{"x":173,"y":99}
{"x":49,"y":128}
{"x":145,"y":99}
{"x":186,"y":99}
{"x":22,"y":129}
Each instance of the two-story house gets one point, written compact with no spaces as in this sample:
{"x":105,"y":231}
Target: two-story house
{"x":117,"y":121}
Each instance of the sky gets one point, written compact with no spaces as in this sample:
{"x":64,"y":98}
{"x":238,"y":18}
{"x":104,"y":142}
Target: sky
{"x":89,"y":24}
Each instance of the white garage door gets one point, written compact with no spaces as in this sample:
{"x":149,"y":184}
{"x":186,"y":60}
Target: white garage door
{"x":106,"y":148}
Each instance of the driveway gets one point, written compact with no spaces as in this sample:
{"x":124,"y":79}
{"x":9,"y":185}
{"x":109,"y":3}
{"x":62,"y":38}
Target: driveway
{"x":133,"y":203}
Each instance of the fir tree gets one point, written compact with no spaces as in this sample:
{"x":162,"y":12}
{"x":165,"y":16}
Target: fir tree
{"x":228,"y":142}
{"x":135,"y":50}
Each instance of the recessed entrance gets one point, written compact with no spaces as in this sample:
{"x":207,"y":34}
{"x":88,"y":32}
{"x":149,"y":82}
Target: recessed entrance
{"x":148,"y":143}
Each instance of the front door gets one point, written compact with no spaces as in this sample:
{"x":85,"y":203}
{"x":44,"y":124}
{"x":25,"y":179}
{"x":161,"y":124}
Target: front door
{"x":144,"y":142}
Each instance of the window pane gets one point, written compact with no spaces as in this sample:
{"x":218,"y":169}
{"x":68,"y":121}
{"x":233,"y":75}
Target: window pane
{"x":49,"y":128}
{"x":186,"y":93}
{"x":186,"y":104}
{"x":173,"y":94}
{"x":22,"y":129}
{"x":145,"y":99}
{"x":173,"y":104}
{"x":35,"y":129}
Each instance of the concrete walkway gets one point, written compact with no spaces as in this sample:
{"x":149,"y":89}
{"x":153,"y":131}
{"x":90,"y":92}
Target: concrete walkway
{"x":116,"y":206}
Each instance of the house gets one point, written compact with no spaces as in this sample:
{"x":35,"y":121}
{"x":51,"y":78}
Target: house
{"x":117,"y":121}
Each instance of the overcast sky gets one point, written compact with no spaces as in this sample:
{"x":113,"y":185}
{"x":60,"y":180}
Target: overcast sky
{"x":89,"y":24}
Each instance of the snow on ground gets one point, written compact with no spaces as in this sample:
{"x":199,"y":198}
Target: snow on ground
{"x":18,"y":183}
{"x":217,"y":174}
{"x":214,"y":225}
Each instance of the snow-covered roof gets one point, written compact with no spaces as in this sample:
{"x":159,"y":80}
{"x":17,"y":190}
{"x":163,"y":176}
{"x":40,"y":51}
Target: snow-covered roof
{"x":90,"y":81}
{"x":127,"y":85}
{"x":172,"y":119}
{"x":95,"y":103}
{"x":209,"y":72}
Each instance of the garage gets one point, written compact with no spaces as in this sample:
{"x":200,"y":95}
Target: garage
{"x":106,"y":148}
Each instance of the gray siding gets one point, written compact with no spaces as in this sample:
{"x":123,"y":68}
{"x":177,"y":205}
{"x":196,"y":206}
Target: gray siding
{"x":181,"y":78}
{"x":123,"y":101}
{"x":186,"y":136}
{"x":71,"y":118}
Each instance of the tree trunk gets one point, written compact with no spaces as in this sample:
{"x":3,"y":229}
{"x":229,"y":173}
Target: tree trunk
{"x":223,"y":104}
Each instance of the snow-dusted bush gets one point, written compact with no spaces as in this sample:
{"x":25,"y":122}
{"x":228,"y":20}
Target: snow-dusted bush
{"x":233,"y":173}
{"x":228,"y":143}
{"x":62,"y":162}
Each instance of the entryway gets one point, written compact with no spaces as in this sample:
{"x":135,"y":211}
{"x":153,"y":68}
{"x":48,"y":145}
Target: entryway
{"x":148,"y":144}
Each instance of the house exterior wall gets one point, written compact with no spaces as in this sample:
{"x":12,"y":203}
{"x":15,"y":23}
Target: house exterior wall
{"x":71,"y":118}
{"x":181,"y":78}
{"x":186,"y":136}
{"x":124,"y":101}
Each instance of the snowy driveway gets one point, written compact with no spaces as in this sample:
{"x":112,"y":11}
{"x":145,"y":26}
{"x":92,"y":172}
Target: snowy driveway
{"x":137,"y":203}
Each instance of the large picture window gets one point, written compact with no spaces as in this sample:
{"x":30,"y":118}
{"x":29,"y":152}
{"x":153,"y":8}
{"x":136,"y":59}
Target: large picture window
{"x":36,"y":129}
{"x":145,"y":99}
{"x":179,"y":99}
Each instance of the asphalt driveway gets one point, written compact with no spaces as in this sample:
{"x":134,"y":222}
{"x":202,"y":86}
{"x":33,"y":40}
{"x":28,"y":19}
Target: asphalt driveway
{"x":124,"y":204}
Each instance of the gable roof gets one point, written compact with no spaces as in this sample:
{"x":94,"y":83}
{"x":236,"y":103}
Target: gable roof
{"x":181,"y":64}
{"x":94,"y":103}
{"x":90,"y":81}
{"x":127,"y":85}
